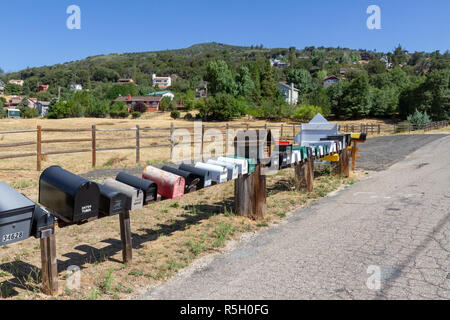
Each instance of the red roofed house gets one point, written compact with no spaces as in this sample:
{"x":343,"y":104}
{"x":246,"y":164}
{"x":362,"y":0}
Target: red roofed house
{"x":43,"y":87}
{"x":142,"y":104}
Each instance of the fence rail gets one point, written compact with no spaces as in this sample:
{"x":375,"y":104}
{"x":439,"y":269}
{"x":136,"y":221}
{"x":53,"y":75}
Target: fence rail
{"x":287,"y":132}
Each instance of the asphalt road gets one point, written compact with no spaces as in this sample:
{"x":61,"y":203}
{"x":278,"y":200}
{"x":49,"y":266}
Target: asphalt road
{"x":386,"y":237}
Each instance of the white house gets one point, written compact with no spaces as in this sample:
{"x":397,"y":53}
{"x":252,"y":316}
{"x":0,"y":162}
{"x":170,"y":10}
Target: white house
{"x":161,"y":82}
{"x":163,"y":94}
{"x":76,"y":87}
{"x":18,"y":82}
{"x":289,"y":92}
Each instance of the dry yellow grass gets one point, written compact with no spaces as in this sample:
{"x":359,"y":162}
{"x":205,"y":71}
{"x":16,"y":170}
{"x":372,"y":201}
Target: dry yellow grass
{"x":167,"y":236}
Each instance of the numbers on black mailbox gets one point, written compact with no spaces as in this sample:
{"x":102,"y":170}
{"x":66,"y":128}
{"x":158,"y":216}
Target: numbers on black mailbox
{"x":12,"y":236}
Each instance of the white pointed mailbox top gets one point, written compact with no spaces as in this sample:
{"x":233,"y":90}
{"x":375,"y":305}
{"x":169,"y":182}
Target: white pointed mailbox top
{"x":318,"y":128}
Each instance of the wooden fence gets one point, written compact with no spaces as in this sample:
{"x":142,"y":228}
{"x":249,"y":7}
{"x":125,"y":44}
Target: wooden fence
{"x":165,"y":138}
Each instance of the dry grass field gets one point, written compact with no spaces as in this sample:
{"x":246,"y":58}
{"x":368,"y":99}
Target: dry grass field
{"x":167,"y":236}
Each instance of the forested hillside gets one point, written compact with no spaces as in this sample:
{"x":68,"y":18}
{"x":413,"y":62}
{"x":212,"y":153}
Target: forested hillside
{"x":243,"y":81}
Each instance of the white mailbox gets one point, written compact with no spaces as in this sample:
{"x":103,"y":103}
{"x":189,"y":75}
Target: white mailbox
{"x":296,"y":156}
{"x":135,"y":197}
{"x":241,"y":163}
{"x":218,"y":174}
{"x":233,"y":170}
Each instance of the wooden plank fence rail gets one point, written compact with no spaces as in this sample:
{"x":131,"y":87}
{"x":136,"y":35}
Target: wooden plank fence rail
{"x":370,"y":129}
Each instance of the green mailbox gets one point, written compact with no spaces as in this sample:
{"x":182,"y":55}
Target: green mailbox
{"x":251,"y":163}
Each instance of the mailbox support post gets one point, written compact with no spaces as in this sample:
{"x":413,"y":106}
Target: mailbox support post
{"x":259,"y":193}
{"x":39,"y":147}
{"x":49,"y":266}
{"x":345,"y":168}
{"x":125,"y":236}
{"x":250,"y":195}
{"x":310,"y":175}
{"x":300,"y":175}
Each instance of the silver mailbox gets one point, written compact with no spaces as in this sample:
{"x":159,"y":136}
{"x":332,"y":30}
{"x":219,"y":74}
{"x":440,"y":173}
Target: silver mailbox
{"x":135,"y":197}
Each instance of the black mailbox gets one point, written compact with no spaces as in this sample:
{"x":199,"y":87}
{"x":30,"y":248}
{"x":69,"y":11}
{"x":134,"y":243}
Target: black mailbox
{"x":112,"y":202}
{"x":192,"y":180}
{"x":149,"y":188}
{"x":72,"y":198}
{"x":204,"y":175}
{"x":16,"y":214}
{"x":285,"y":155}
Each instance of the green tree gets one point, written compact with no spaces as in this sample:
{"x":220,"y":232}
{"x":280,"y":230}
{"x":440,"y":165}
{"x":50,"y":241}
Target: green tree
{"x":336,"y":96}
{"x":244,"y":82}
{"x":301,"y":79}
{"x":119,"y":110}
{"x":220,"y":78}
{"x":13,"y":89}
{"x":399,"y":56}
{"x":121,"y":90}
{"x":384,"y":101}
{"x":357,"y":98}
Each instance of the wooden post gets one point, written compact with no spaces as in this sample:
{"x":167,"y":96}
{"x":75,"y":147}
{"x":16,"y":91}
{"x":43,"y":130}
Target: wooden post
{"x":354,"y":151}
{"x":203,"y":141}
{"x":138,"y":145}
{"x":310,"y":175}
{"x":125,"y":236}
{"x":39,"y":148}
{"x":379,"y":129}
{"x":293,"y":131}
{"x":300,"y":175}
{"x":259,"y":193}
{"x":172,"y":142}
{"x":94,"y":146}
{"x":345,"y":164}
{"x":242,"y":195}
{"x":282,"y":132}
{"x":49,"y":266}
{"x":227,"y":139}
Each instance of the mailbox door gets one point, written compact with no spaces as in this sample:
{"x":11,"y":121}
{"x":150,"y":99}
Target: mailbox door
{"x":242,"y":163}
{"x":87,"y":202}
{"x":204,"y":175}
{"x":170,"y":186}
{"x":148,"y":187}
{"x":15,"y":226}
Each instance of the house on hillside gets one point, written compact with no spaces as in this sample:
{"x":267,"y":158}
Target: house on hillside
{"x":289,"y":92}
{"x":161,"y":82}
{"x":42,"y":107}
{"x":385,"y":60}
{"x":76,"y":87}
{"x":163,"y":94}
{"x":329,"y":81}
{"x":141,"y":104}
{"x":14,"y":101}
{"x":279,"y":64}
{"x":126,"y":81}
{"x":17,"y":82}
{"x":43,"y":87}
{"x":365,"y":56}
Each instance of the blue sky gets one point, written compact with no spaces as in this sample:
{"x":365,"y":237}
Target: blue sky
{"x":34,"y":33}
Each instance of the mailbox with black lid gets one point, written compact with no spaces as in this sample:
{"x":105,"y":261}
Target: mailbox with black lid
{"x":149,"y":187}
{"x":203,"y":175}
{"x":71,"y":198}
{"x":112,"y":202}
{"x":191,"y":179}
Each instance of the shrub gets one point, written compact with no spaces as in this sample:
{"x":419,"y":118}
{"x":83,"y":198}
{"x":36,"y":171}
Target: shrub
{"x":175,"y":114}
{"x":306,"y":112}
{"x":419,"y":120}
{"x":29,"y":113}
{"x":167,"y":104}
{"x":119,"y":110}
{"x":136,"y":115}
{"x":188,"y":116}
{"x":97,"y":109}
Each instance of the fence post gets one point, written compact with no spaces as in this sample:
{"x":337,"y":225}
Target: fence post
{"x":49,"y":266}
{"x":227,"y":139}
{"x":203,"y":140}
{"x":293,"y":131}
{"x":172,"y":142}
{"x":379,"y":129}
{"x":282,"y":132}
{"x":94,"y":146}
{"x":39,"y":148}
{"x":138,"y":144}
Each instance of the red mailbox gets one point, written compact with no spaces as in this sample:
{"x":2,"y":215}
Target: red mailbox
{"x":170,"y":186}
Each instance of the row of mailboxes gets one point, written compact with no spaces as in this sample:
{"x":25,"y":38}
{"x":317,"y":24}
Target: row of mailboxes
{"x":232,"y":168}
{"x":192,"y":181}
{"x":204,"y":176}
{"x":21,"y":218}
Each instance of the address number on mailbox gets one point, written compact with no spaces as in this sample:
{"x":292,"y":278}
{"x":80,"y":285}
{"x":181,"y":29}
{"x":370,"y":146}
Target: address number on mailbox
{"x":12,"y":236}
